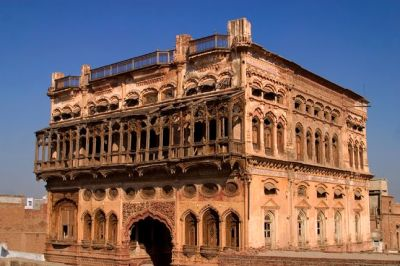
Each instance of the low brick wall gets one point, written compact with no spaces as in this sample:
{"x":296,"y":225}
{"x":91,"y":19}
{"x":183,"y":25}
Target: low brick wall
{"x":25,"y":262}
{"x":259,"y":260}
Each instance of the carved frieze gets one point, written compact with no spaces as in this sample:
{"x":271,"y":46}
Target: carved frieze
{"x":165,"y":208}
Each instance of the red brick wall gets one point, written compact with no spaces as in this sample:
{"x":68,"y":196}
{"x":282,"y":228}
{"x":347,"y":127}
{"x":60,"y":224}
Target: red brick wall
{"x":23,"y":230}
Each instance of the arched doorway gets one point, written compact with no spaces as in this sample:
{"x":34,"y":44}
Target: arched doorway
{"x":155,"y":237}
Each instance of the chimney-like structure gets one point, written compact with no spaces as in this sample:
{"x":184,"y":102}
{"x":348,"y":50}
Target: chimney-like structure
{"x":239,"y":31}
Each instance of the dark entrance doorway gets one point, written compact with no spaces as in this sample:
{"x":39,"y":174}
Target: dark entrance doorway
{"x":156,"y":239}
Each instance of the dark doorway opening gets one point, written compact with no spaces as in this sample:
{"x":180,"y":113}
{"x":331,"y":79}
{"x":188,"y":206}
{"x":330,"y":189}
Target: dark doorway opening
{"x":156,"y":239}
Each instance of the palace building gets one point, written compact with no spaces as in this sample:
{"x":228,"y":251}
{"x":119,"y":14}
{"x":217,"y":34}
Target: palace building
{"x":216,"y":146}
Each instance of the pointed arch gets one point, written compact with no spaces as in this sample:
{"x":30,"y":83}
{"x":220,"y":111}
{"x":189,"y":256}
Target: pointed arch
{"x":211,"y":233}
{"x":190,"y":228}
{"x":301,"y":227}
{"x":338,"y":227}
{"x":255,"y":122}
{"x":269,"y":228}
{"x":232,"y":229}
{"x":87,"y":226}
{"x":99,"y":226}
{"x":299,"y":131}
{"x":112,"y":227}
{"x":321,"y":228}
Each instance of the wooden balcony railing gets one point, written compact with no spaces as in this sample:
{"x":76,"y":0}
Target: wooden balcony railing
{"x":67,"y":82}
{"x":216,"y":41}
{"x":73,"y":160}
{"x":155,"y":58}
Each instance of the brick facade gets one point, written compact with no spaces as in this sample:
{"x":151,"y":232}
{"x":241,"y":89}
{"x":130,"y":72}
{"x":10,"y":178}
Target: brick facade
{"x":21,"y":228}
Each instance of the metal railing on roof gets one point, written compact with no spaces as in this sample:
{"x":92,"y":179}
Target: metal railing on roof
{"x":67,"y":82}
{"x":215,"y":41}
{"x":155,"y":58}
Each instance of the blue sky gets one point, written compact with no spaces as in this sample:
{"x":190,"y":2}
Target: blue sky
{"x":352,"y":43}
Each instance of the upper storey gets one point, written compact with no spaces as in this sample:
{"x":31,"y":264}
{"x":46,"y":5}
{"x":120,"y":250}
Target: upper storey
{"x":230,"y":95}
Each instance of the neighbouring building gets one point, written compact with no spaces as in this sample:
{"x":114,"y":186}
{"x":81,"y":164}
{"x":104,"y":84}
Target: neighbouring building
{"x":385,"y":217}
{"x":215,"y":146}
{"x":23,"y":223}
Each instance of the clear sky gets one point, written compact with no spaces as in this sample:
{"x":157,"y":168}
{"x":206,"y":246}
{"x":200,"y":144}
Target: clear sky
{"x":352,"y":43}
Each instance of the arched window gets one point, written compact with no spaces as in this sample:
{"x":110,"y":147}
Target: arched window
{"x":66,"y":220}
{"x":338,"y":194}
{"x":190,"y":230}
{"x":299,"y":143}
{"x":335,"y":151}
{"x":237,"y":128}
{"x":269,"y":189}
{"x":167,"y":93}
{"x":301,"y":191}
{"x":356,"y":157}
{"x":132,"y":100}
{"x":301,"y":228}
{"x":280,"y":138}
{"x":309,"y":145}
{"x":327,"y":149}
{"x":232,"y":231}
{"x":357,"y":227}
{"x":256,"y":92}
{"x":112,"y":228}
{"x":99,"y":226}
{"x":318,"y":147}
{"x":357,"y":195}
{"x":150,"y":97}
{"x":361,"y":157}
{"x":338,"y":227}
{"x":298,"y":105}
{"x":350,"y":149}
{"x":210,"y":229}
{"x":321,"y":228}
{"x":268,"y":136}
{"x":256,"y":133}
{"x":268,"y":229}
{"x":321,"y":192}
{"x":87,"y":227}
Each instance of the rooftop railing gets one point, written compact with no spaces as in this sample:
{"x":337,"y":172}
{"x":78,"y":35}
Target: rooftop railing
{"x":155,"y":58}
{"x":67,"y":82}
{"x":216,"y":41}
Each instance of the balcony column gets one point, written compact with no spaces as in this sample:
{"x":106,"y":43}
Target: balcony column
{"x":109,"y":147}
{"x":49,"y":142}
{"x":138,"y":137}
{"x":101,"y":142}
{"x":87,"y":144}
{"x":313,"y":155}
{"x":230,"y":106}
{"x":121,"y":141}
{"x":192,"y":132}
{"x":78,"y":140}
{"x":71,"y":146}
{"x":182,"y":135}
{"x":43,"y":147}
{"x":64,"y":147}
{"x":58,"y":147}
{"x":147,"y":140}
{"x":160,"y":142}
{"x":94,"y":148}
{"x":129,"y":144}
{"x":171,"y":139}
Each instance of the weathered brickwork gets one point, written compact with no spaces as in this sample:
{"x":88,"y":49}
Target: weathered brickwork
{"x":22,"y":229}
